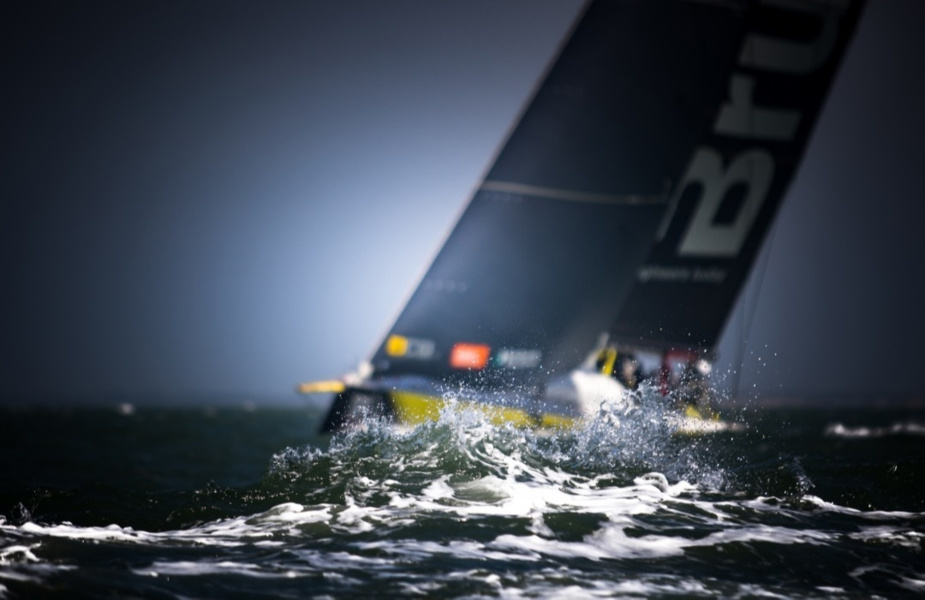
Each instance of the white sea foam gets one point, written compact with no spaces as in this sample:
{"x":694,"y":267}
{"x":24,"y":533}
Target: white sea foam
{"x":622,"y":513}
{"x":221,"y":567}
{"x":20,"y":564}
{"x":17,"y":553}
{"x":913,"y":540}
{"x":908,"y":428}
{"x":620,"y":508}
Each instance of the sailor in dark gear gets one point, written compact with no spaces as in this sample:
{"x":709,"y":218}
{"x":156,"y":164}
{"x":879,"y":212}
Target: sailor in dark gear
{"x":627,"y":371}
{"x":692,"y":387}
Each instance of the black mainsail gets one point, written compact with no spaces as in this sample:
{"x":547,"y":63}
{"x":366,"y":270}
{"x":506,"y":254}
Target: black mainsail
{"x":631,"y":197}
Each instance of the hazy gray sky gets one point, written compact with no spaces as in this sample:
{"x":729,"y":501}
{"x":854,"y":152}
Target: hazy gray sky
{"x":232,"y":197}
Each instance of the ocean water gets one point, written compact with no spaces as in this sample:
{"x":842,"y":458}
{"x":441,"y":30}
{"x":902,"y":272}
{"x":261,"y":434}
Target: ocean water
{"x":250,"y":502}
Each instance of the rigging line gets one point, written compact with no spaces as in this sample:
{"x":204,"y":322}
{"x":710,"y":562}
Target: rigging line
{"x":747,"y":321}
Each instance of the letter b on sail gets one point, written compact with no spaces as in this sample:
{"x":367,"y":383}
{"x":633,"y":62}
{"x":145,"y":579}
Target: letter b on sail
{"x":706,"y":235}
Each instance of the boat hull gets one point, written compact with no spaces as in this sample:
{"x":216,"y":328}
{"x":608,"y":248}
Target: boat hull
{"x":354,"y":406}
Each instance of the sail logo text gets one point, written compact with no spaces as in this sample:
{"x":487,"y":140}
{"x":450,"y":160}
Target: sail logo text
{"x":752,"y":170}
{"x":681,"y":275}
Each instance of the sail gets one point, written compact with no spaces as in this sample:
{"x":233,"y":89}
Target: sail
{"x":558,"y":242}
{"x":727,"y":194}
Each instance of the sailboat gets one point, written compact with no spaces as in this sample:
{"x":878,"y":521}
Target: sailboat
{"x":611,"y":236}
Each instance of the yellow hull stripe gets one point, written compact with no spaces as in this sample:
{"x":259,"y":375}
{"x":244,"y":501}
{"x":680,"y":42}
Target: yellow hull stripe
{"x":551,"y":421}
{"x":412,"y":408}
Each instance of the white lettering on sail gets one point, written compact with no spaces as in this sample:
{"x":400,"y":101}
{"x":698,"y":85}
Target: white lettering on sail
{"x":705,"y":237}
{"x":785,"y":56}
{"x":741,"y":118}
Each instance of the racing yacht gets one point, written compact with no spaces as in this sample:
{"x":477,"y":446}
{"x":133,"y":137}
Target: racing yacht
{"x":609,"y":239}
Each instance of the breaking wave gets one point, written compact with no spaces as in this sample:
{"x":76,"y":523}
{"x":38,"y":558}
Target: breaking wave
{"x":462,"y":508}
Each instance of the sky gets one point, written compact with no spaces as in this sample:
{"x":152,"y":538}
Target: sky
{"x":231,"y":197}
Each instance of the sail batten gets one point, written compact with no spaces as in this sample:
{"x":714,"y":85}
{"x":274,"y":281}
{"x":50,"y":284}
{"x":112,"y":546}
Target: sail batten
{"x":570,"y":195}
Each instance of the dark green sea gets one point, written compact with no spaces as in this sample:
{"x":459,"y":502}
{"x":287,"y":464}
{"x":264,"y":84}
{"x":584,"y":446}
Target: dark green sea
{"x":249,"y":502}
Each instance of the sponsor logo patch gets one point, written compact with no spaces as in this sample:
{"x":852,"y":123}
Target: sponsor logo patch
{"x":404,"y":347}
{"x":469,"y":356}
{"x":517,"y":358}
